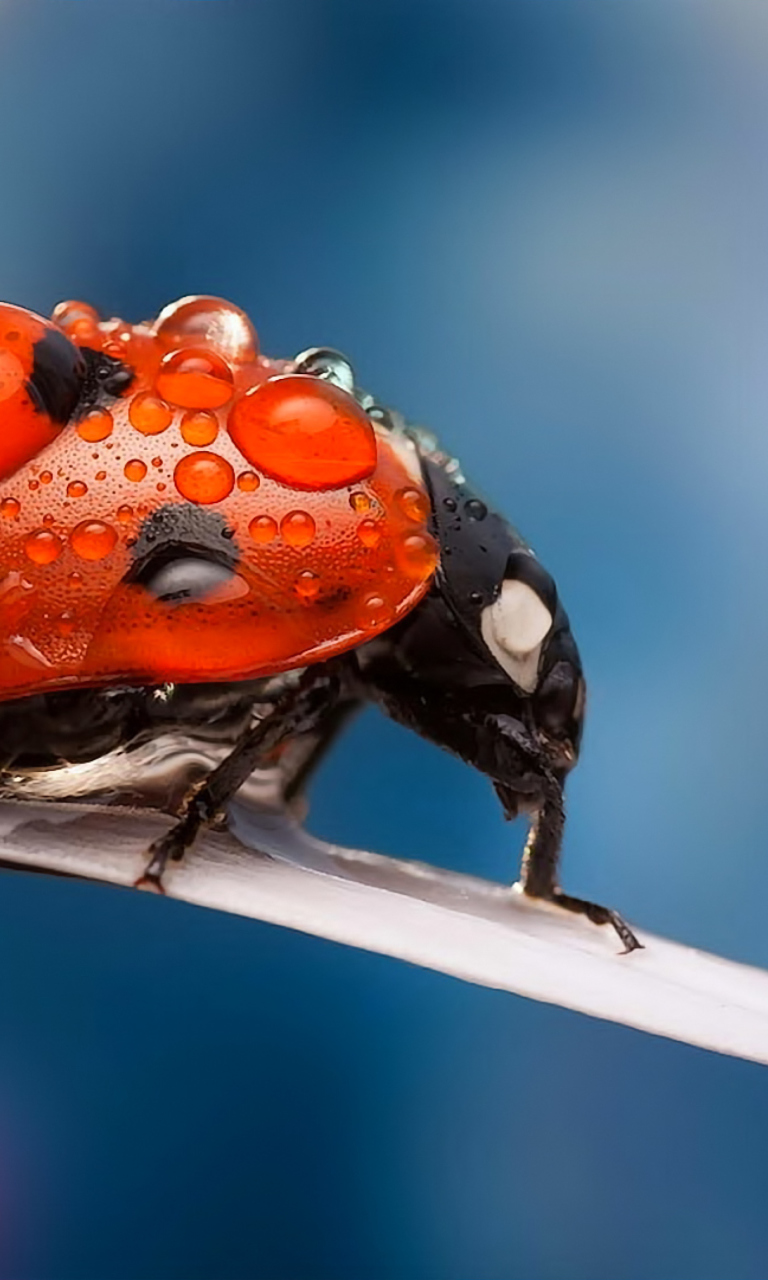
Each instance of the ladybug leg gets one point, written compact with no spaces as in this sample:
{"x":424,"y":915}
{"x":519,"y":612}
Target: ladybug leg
{"x":538,"y":874}
{"x":297,"y":711}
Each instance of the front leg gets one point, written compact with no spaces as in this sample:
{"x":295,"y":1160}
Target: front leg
{"x":300,"y":709}
{"x":541,"y":858}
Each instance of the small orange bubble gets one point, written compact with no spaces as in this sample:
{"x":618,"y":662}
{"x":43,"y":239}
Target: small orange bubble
{"x":135,"y":469}
{"x":161,"y":487}
{"x":65,"y":624}
{"x":373,"y":612}
{"x":307,"y":585}
{"x":42,"y":546}
{"x":199,"y":428}
{"x":157,"y":462}
{"x":92,"y":539}
{"x":413,"y":503}
{"x":369,"y":533}
{"x":417,"y":555}
{"x":248,"y":481}
{"x":195,"y":378}
{"x":9,"y":508}
{"x":359,"y":502}
{"x":263,"y":529}
{"x":48,"y":519}
{"x":101,"y":475}
{"x":204,"y":477}
{"x":95,"y":426}
{"x":297,"y":528}
{"x":124,"y":514}
{"x":149,"y":415}
{"x":76,"y":489}
{"x":46,"y":477}
{"x":75,"y":581}
{"x":33,"y":485}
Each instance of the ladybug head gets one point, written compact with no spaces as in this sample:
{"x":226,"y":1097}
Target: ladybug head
{"x":486,"y":664}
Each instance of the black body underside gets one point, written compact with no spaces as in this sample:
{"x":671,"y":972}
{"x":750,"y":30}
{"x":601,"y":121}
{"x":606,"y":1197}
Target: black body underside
{"x":52,"y":730}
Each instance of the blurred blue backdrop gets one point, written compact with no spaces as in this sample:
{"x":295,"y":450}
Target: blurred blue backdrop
{"x":543,"y":230}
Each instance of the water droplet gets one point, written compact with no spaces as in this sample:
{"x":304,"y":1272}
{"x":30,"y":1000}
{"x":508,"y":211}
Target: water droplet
{"x":48,"y":519}
{"x":149,"y":414}
{"x":161,"y":487}
{"x":307,"y":585}
{"x":42,"y":546}
{"x":195,"y":378}
{"x":46,"y":477}
{"x":199,"y":428}
{"x":9,"y":508}
{"x":210,"y":321}
{"x":248,"y":481}
{"x":304,"y":432}
{"x":65,"y":624}
{"x":373,"y":612}
{"x":76,"y":489}
{"x":92,"y":539}
{"x":204,"y":477}
{"x":475,"y":597}
{"x":413,"y":503}
{"x":475,"y":509}
{"x":124,"y":514}
{"x":33,"y":485}
{"x":328,"y":364}
{"x":95,"y":426}
{"x":135,"y":470}
{"x":297,"y":528}
{"x":369,"y":533}
{"x":359,"y":502}
{"x":79,"y":320}
{"x":75,"y":581}
{"x":417,"y":555}
{"x":157,"y":462}
{"x":263,"y":529}
{"x":450,"y":504}
{"x":101,"y":475}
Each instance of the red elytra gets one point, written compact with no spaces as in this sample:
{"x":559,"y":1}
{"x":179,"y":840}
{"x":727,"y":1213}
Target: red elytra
{"x":308,"y":503}
{"x":26,"y":428}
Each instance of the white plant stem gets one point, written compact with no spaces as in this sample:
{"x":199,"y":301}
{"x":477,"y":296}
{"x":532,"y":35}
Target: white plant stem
{"x":268,"y":868}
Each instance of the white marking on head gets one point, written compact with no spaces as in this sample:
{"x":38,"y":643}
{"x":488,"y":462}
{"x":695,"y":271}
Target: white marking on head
{"x":514,"y":627}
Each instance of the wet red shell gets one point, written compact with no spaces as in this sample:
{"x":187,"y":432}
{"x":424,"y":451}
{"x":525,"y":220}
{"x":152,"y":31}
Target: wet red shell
{"x":325,"y":523}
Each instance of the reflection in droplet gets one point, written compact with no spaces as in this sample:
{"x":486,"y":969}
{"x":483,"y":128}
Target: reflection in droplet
{"x":199,"y":428}
{"x":92,"y":539}
{"x":204,"y":477}
{"x":413,"y":503}
{"x":307,"y":585}
{"x":135,"y":470}
{"x":369,"y":533}
{"x":149,"y":414}
{"x":263,"y":529}
{"x":42,"y":546}
{"x":95,"y":426}
{"x":195,"y":379}
{"x":297,"y":528}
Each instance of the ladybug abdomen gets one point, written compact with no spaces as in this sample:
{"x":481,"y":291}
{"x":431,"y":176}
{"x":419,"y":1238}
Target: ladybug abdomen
{"x":223,"y":519}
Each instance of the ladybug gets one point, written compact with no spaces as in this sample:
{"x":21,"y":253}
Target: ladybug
{"x":199,"y":541}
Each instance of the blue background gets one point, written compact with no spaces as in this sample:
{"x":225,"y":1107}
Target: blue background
{"x":542,"y":228}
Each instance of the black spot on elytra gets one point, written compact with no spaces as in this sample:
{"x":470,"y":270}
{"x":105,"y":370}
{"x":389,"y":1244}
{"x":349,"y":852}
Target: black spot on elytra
{"x":105,"y":379}
{"x":179,"y":535}
{"x":58,"y":375}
